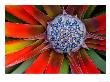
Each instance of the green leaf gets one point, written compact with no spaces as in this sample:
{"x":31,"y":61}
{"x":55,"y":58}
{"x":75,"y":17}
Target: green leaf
{"x":9,"y":39}
{"x":100,"y":9}
{"x":89,"y":11}
{"x":24,"y":66}
{"x":10,"y":69}
{"x":17,"y":45}
{"x":40,"y":8}
{"x":98,"y":61}
{"x":65,"y":67}
{"x":101,"y":52}
{"x":12,"y":18}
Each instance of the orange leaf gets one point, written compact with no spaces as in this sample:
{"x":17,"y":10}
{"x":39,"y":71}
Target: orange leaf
{"x":39,"y":64}
{"x":24,"y":54}
{"x":37,"y":14}
{"x":54,"y":64}
{"x":22,"y":30}
{"x":19,"y":12}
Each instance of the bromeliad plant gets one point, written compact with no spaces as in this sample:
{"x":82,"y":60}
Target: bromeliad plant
{"x":54,"y":39}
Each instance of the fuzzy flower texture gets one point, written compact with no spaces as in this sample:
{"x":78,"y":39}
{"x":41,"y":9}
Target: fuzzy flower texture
{"x":55,"y":39}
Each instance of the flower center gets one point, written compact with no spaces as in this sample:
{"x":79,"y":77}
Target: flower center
{"x":66,"y":33}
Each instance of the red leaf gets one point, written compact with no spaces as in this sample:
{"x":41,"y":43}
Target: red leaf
{"x":15,"y":45}
{"x":22,"y":30}
{"x":95,"y":41}
{"x":78,"y":10}
{"x":101,"y":32}
{"x":54,"y":64}
{"x":95,"y":46}
{"x":39,"y":64}
{"x":80,"y":63}
{"x":24,"y":54}
{"x":19,"y":12}
{"x":96,"y":23}
{"x":37,"y":14}
{"x":74,"y":64}
{"x":92,"y":69}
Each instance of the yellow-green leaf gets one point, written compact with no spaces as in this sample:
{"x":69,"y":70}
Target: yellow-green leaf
{"x":65,"y":67}
{"x":15,"y":45}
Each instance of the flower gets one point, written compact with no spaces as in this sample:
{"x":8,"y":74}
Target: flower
{"x":55,"y":39}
